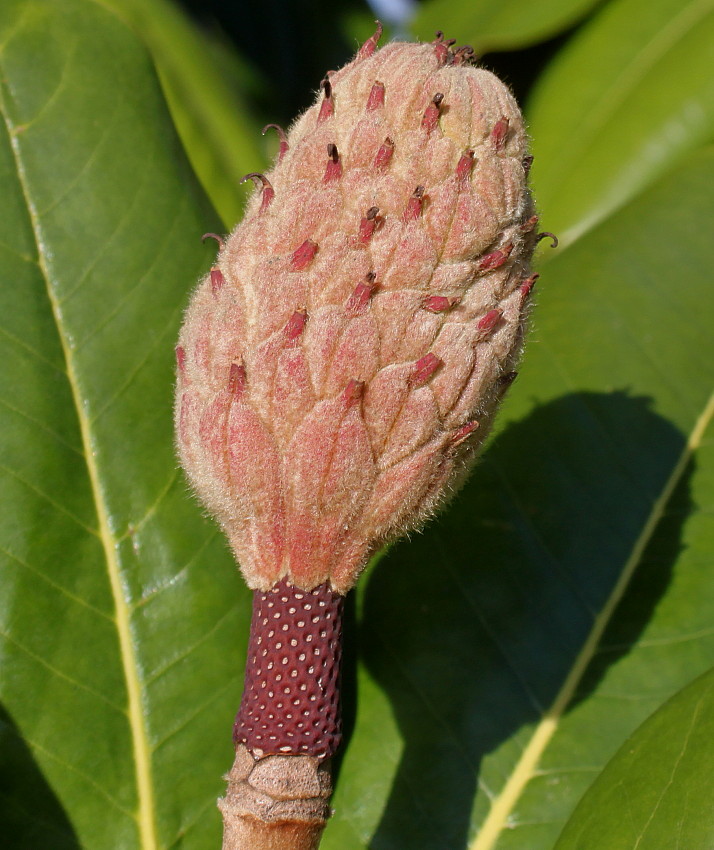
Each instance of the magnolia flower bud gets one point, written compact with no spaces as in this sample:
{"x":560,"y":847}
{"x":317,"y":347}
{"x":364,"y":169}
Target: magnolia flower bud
{"x":338,"y":370}
{"x":342,"y":362}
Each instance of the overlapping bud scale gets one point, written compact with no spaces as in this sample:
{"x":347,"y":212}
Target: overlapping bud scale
{"x":341,"y":364}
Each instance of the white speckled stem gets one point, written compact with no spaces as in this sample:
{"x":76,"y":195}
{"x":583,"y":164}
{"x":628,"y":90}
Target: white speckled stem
{"x":291,"y":696}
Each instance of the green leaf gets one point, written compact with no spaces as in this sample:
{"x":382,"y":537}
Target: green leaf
{"x":122,"y":619}
{"x":496,"y":662}
{"x":498,"y":26}
{"x":209,"y":107}
{"x":623,"y":101}
{"x":510,"y":649}
{"x":654,"y":792}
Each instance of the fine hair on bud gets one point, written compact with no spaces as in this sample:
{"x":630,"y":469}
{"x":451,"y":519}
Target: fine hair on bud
{"x":407,"y":172}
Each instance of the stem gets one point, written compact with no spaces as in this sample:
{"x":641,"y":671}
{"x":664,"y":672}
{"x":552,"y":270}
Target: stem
{"x":289,"y":724}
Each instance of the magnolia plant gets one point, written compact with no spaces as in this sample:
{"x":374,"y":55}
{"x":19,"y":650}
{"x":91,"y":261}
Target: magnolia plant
{"x":338,"y":370}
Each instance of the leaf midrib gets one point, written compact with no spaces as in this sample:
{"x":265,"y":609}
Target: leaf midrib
{"x":145,"y":816}
{"x":503,"y":804}
{"x":612,"y":99}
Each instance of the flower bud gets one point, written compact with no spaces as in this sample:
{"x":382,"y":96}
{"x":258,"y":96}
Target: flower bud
{"x":341,"y":364}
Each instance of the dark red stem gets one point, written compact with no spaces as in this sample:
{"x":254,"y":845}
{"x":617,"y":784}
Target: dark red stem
{"x":291,"y":695}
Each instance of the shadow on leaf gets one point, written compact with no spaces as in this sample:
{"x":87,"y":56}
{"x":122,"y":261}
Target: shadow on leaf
{"x":472,"y":627}
{"x":30,"y":814}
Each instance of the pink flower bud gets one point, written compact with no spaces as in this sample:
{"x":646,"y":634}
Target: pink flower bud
{"x":340,"y":365}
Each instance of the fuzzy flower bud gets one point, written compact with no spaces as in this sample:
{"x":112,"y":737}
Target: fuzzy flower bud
{"x":340,"y":366}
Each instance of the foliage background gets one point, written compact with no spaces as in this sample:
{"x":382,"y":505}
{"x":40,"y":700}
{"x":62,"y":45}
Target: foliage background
{"x":532,"y":672}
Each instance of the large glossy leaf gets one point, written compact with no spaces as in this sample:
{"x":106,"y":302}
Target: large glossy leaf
{"x":498,"y":26}
{"x":496,"y":662}
{"x":208,"y":105}
{"x":655,"y":792}
{"x":622,"y":102}
{"x":510,"y":649}
{"x":122,"y":620}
